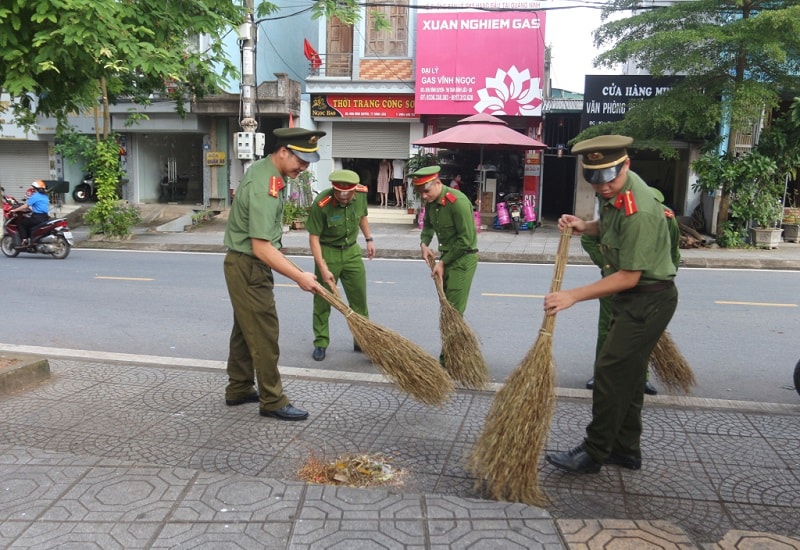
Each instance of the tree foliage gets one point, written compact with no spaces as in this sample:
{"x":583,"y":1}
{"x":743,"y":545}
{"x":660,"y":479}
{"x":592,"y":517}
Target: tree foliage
{"x":738,"y":57}
{"x":63,"y":56}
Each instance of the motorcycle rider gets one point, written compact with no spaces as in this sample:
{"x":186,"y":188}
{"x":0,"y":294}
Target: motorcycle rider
{"x":38,"y":204}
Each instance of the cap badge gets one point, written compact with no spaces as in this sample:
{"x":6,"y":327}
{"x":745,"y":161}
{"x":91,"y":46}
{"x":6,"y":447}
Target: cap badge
{"x":595,"y":156}
{"x":313,"y":140}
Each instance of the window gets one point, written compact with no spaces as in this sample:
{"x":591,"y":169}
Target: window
{"x":392,"y":42}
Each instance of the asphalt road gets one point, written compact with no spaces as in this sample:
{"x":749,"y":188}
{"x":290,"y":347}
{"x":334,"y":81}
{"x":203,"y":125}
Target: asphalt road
{"x":736,"y":327}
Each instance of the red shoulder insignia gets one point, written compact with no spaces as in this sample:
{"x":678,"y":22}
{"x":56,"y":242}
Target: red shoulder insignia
{"x":275,"y":185}
{"x":625,"y":200}
{"x":669,"y":213}
{"x":449,"y":196}
{"x":362,"y":188}
{"x":325,"y":201}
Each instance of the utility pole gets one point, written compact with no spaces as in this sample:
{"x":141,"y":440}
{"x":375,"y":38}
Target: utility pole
{"x":248,"y":141}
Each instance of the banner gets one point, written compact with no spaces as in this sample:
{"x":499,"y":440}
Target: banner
{"x":606,"y":97}
{"x":489,"y":62}
{"x":362,"y":106}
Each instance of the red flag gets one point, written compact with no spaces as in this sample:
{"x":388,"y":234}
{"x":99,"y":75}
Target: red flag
{"x":311,"y":54}
{"x":291,"y":121}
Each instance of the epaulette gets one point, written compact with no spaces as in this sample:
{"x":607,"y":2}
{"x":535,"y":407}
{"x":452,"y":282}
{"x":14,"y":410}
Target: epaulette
{"x":325,"y":201}
{"x":362,"y":188}
{"x":625,"y":200}
{"x":275,"y":185}
{"x":448,"y":196}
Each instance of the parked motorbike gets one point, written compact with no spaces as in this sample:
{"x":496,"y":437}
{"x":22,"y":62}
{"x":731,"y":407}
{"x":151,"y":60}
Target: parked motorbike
{"x":52,"y":237}
{"x":85,"y":190}
{"x":509,"y":209}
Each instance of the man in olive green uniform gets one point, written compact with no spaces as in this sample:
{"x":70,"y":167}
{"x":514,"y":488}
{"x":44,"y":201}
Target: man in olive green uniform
{"x":253,"y":238}
{"x":333,"y":224}
{"x":591,"y":245}
{"x":448,"y":215}
{"x":639,"y":272}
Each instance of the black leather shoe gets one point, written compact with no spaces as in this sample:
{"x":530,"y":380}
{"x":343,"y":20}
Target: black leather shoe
{"x":590,"y":383}
{"x":630,"y":462}
{"x":650,"y":389}
{"x":576,"y":460}
{"x":252,"y":398}
{"x":356,"y":347}
{"x":319,"y":354}
{"x":287,"y":412}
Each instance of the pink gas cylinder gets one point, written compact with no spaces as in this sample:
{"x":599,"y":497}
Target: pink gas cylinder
{"x":502,"y":214}
{"x":421,"y":217}
{"x":527,"y":211}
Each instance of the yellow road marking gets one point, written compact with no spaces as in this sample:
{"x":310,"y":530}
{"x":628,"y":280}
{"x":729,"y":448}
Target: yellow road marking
{"x":496,"y":295}
{"x":125,"y":278}
{"x":767,"y":304}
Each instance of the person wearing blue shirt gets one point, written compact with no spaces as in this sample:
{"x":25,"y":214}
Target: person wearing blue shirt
{"x":38,"y":204}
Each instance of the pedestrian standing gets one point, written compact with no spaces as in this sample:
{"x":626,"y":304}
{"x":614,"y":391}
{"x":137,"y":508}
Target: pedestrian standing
{"x":448,"y":217}
{"x":253,"y":238}
{"x":639,"y":272}
{"x":384,"y":176}
{"x":337,"y":215}
{"x":398,"y":182}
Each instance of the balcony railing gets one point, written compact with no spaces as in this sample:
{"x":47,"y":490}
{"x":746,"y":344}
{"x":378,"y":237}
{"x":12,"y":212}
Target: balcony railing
{"x":332,"y":65}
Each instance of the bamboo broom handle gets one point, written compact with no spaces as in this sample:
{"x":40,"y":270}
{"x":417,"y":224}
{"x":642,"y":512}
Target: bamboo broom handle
{"x":437,"y":281}
{"x":333,"y":299}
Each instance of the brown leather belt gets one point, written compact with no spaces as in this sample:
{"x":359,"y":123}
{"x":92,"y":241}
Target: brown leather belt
{"x":651,"y":287}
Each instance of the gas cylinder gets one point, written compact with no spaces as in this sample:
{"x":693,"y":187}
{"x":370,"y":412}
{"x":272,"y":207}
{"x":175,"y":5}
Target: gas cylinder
{"x":502,"y":214}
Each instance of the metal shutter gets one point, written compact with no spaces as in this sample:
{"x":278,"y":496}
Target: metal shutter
{"x":21,"y":162}
{"x":368,"y":140}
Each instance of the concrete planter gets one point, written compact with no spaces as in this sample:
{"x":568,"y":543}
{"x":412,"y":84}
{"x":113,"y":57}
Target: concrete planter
{"x":791,"y":232}
{"x":767,"y":237}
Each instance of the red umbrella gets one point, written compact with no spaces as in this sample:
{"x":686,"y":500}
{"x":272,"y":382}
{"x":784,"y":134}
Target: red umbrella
{"x":480,"y":131}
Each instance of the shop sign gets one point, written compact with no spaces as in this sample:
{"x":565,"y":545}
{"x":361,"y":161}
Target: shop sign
{"x":606,"y":97}
{"x":215,"y":158}
{"x":362,"y":106}
{"x":470,"y":62}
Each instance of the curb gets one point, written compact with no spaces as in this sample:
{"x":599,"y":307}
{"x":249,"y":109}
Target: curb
{"x":20,"y":371}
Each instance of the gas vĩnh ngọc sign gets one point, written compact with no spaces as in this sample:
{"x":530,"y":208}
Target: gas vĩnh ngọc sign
{"x":606,"y":97}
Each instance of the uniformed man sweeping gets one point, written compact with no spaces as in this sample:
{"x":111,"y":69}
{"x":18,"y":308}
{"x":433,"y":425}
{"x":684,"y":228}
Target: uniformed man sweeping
{"x":638,"y":275}
{"x":448,"y":216}
{"x":335,"y":219}
{"x":253,"y":237}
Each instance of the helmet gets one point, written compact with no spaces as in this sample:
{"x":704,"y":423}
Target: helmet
{"x":39,"y":185}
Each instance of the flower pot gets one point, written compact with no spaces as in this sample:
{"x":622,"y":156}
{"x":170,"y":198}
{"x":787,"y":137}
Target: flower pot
{"x":766,"y":237}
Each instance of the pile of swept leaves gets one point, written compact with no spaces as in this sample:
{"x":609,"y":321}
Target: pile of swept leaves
{"x":353,"y":471}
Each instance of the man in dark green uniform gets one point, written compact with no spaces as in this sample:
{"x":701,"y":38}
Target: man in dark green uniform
{"x":591,"y":245}
{"x":639,"y":273}
{"x":333,"y":224}
{"x":253,"y":238}
{"x":448,"y":215}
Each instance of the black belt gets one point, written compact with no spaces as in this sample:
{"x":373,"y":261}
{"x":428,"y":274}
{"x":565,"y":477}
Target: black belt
{"x":340,"y":247}
{"x":471,"y":251}
{"x":651,"y":287}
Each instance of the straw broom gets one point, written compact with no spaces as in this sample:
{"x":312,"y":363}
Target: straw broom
{"x":671,"y":367}
{"x":461,"y":350}
{"x":506,"y":456}
{"x":409,"y":366}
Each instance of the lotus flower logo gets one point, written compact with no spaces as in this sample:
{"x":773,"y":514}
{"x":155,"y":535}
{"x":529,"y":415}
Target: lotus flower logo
{"x":511,"y":93}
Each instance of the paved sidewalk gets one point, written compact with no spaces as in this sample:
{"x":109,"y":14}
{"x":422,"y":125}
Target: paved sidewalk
{"x":121,"y":451}
{"x":402,"y":241}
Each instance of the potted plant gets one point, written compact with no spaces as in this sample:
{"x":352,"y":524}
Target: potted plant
{"x":420,"y":160}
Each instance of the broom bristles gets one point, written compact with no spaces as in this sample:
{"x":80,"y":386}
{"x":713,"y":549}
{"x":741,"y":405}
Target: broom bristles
{"x":461,"y":349}
{"x":506,"y":456}
{"x":671,"y":367}
{"x":410,"y":367}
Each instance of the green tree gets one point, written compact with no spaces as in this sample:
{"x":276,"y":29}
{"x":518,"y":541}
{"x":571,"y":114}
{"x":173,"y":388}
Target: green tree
{"x":739,"y":59}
